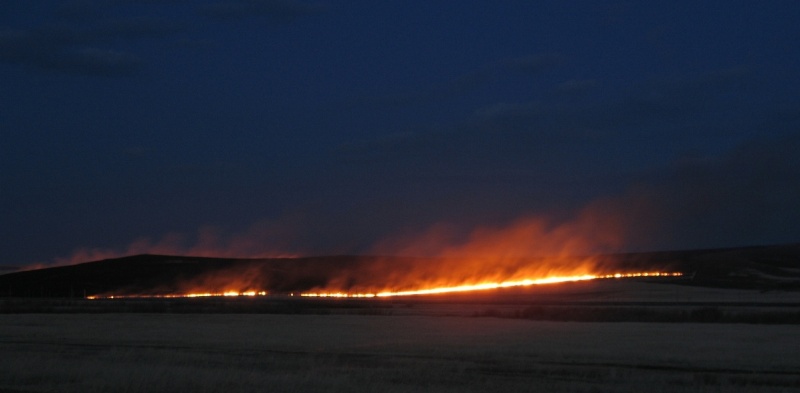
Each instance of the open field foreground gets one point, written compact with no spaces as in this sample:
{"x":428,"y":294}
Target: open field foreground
{"x":411,"y":353}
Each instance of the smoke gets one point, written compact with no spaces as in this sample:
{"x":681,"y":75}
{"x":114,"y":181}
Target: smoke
{"x":747,"y":197}
{"x":264,"y":239}
{"x":441,"y":255}
{"x":530,"y":237}
{"x":444,"y":255}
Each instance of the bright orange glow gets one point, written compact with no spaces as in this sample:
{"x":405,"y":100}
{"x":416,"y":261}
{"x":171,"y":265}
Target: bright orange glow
{"x":182,"y":295}
{"x":440,"y":260}
{"x":413,"y":292}
{"x":490,"y":285}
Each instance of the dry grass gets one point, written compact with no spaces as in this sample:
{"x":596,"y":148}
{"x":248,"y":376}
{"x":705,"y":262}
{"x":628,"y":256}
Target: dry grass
{"x":308,"y":353}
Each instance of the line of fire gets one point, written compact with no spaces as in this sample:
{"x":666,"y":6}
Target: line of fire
{"x":454,"y":276}
{"x":481,"y":286}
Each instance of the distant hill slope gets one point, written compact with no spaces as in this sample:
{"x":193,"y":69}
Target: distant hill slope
{"x":762,"y":267}
{"x":154,"y":274}
{"x":757,"y":267}
{"x":8,"y":269}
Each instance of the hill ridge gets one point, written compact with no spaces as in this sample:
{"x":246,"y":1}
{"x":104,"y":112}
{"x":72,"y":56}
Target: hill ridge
{"x":767,"y":267}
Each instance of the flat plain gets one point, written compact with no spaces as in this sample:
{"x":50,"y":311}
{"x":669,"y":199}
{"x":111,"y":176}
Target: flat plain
{"x":436,"y":346}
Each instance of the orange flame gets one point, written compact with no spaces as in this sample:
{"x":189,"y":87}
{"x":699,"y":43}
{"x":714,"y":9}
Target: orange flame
{"x":526,"y":252}
{"x":414,"y":292}
{"x":491,"y":285}
{"x":181,"y":295}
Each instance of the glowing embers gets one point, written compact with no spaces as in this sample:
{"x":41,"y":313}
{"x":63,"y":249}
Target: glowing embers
{"x":182,"y":295}
{"x":490,"y":285}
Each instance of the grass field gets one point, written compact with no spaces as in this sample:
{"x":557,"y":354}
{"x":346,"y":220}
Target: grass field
{"x":387,"y":353}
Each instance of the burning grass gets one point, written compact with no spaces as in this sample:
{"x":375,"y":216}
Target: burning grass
{"x":651,"y":300}
{"x":483,"y":286}
{"x":414,"y":291}
{"x":493,"y":340}
{"x":761,"y":268}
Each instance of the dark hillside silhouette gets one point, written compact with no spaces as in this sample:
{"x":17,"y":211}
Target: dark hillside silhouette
{"x":762,"y":267}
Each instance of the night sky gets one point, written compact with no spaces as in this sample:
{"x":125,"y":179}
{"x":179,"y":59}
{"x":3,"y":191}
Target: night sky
{"x":269,"y":127}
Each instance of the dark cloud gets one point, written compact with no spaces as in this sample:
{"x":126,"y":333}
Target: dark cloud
{"x":80,"y":38}
{"x":746,"y":196}
{"x":89,"y":50}
{"x":471,"y":115}
{"x":641,"y":113}
{"x":557,"y":155}
{"x":685,"y":97}
{"x":683,"y":113}
{"x":66,"y":51}
{"x":277,"y":10}
{"x":750,"y":194}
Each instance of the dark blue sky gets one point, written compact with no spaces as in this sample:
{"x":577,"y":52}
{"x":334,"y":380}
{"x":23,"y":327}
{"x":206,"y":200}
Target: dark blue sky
{"x":253,"y":127}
